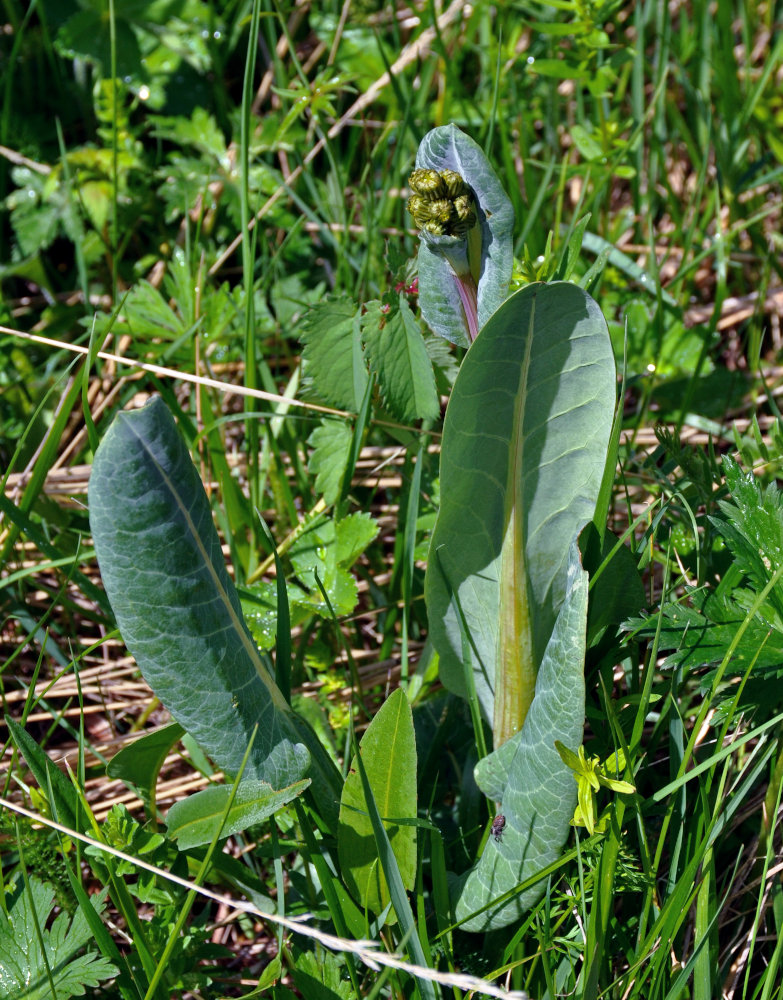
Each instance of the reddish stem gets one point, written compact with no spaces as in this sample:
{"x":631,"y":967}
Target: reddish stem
{"x":468,"y":293}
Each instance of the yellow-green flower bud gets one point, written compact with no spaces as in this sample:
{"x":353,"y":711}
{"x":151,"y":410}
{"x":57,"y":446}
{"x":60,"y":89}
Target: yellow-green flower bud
{"x":455,"y":185}
{"x":466,"y":216}
{"x":441,"y":210}
{"x":442,"y":204}
{"x":428,"y":183}
{"x":417,"y":206}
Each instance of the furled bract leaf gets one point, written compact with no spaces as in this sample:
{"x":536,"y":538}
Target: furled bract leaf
{"x":527,"y":777}
{"x":178,"y":610}
{"x":523,"y":452}
{"x":388,"y":750}
{"x":448,"y":149}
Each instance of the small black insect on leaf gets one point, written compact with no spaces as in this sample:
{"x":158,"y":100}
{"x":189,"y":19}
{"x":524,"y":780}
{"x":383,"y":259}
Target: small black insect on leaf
{"x":498,"y":825}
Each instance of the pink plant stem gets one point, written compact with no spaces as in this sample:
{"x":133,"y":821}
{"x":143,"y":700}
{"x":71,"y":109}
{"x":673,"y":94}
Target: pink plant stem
{"x":468,"y":293}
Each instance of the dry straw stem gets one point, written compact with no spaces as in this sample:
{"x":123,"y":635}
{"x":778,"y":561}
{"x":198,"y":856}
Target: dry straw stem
{"x":227,"y":387}
{"x":365,"y":951}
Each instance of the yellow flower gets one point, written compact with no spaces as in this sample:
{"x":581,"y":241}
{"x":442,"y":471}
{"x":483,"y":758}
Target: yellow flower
{"x":590,"y":775}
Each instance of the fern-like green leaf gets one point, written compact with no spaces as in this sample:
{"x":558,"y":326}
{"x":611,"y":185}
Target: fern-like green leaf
{"x":23,"y":970}
{"x":700,"y":634}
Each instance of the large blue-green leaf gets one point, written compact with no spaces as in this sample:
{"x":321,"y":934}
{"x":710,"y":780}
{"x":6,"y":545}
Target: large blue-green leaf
{"x":523,"y":452}
{"x":179,"y":612}
{"x":535,"y":790}
{"x":448,"y":148}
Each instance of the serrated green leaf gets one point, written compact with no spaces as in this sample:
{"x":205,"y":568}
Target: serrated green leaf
{"x":751,"y":524}
{"x":22,"y":968}
{"x":149,"y":315}
{"x":396,"y":353}
{"x":341,"y":589}
{"x":701,"y":635}
{"x":332,"y":352}
{"x":331,"y":444}
{"x":200,"y":130}
{"x":178,"y":609}
{"x":195,"y":820}
{"x":353,"y":534}
{"x":96,"y":197}
{"x":318,"y":550}
{"x":388,"y":750}
{"x":319,"y":977}
{"x":526,"y":776}
{"x":39,"y":208}
{"x":524,"y":446}
{"x":752,"y":527}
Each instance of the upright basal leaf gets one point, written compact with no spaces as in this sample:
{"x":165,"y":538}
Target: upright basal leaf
{"x":535,"y":791}
{"x":524,"y":445}
{"x":334,"y":363}
{"x":396,"y":352}
{"x":179,"y":612}
{"x":388,"y":750}
{"x":465,"y":254}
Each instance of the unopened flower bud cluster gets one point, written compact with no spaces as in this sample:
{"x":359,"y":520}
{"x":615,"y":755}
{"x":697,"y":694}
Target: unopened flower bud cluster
{"x":442,"y":204}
